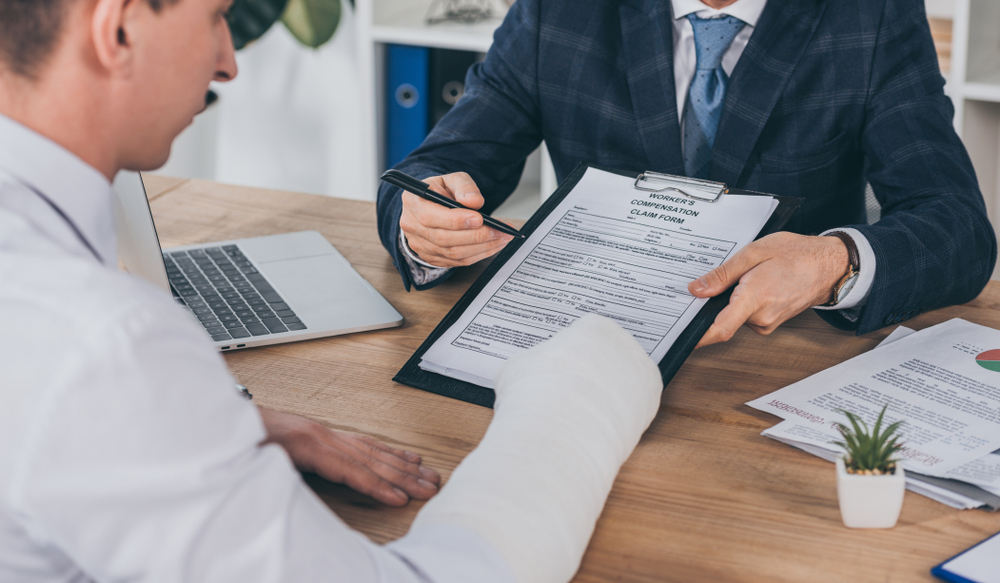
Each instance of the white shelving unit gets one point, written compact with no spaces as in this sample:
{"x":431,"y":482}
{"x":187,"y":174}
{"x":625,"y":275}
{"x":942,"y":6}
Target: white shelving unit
{"x":402,"y":22}
{"x":381,"y":22}
{"x":974,"y":87}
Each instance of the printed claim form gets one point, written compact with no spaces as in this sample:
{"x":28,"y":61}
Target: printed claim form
{"x":608,"y":248}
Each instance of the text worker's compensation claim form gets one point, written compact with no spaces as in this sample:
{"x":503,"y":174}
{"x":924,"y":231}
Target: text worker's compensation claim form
{"x":609,"y":249}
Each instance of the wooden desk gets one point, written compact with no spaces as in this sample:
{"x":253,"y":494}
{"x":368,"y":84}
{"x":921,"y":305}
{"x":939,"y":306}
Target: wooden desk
{"x":704,"y":497}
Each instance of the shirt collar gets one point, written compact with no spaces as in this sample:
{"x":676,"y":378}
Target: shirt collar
{"x":75,"y":187}
{"x":746,"y":10}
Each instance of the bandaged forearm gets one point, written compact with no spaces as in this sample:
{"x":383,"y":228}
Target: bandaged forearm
{"x":568,"y":414}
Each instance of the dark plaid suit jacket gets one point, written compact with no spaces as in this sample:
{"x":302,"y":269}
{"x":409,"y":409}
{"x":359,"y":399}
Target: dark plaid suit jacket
{"x":828,"y":94}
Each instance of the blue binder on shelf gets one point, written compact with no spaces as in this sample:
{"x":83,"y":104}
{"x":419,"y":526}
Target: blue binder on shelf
{"x":407,"y":112}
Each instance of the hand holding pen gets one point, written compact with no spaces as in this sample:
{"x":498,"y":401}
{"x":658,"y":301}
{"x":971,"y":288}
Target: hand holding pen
{"x":449,"y":237}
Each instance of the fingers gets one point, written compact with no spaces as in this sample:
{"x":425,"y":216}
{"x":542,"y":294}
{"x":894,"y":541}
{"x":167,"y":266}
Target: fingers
{"x":449,"y":237}
{"x":402,"y":460}
{"x":343,"y":468}
{"x":431,"y":215}
{"x":445,"y":255}
{"x":779,"y":276}
{"x":407,"y":455}
{"x":740,"y":309}
{"x":438,"y":232}
{"x":384,"y":475}
{"x":459,"y":187}
{"x":726,"y":275}
{"x":389,"y":475}
{"x":742,"y":305}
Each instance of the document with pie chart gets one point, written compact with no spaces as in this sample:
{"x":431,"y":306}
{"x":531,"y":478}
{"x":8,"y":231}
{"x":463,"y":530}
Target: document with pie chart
{"x":943,"y":382}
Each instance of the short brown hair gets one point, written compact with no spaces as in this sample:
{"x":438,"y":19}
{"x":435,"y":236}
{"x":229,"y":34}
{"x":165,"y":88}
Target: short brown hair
{"x":29,"y":30}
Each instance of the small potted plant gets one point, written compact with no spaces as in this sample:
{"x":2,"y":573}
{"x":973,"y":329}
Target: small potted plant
{"x":870,"y":484}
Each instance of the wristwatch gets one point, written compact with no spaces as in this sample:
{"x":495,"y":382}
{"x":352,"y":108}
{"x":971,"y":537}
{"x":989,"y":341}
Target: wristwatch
{"x":846,"y":283}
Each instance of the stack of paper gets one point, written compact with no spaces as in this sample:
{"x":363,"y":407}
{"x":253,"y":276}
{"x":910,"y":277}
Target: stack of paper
{"x":943,"y":382}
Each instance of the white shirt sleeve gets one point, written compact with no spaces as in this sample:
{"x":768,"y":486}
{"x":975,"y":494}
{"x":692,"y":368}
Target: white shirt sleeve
{"x":420,"y":271}
{"x":132,"y":458}
{"x":141,"y":463}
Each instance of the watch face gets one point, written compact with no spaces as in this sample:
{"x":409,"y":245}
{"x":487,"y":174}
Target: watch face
{"x":847,"y":287}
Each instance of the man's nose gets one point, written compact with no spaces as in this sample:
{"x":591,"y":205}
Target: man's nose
{"x":226,"y":66}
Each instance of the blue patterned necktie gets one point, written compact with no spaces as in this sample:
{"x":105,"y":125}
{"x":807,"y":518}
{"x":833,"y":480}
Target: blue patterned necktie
{"x":712,"y":36}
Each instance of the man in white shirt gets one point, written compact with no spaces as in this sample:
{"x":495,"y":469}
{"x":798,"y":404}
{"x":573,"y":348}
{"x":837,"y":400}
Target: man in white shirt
{"x":125,"y":452}
{"x":804,"y":98}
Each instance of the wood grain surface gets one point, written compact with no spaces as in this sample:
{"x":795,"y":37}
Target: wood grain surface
{"x":704,"y":497}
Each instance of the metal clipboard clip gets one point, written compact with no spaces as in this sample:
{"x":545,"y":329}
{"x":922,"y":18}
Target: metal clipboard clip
{"x":696,"y":188}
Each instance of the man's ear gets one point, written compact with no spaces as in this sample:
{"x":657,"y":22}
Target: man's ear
{"x":111,"y":23}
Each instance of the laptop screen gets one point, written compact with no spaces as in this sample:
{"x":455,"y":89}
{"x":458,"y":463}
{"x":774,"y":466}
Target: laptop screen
{"x":138,"y":246}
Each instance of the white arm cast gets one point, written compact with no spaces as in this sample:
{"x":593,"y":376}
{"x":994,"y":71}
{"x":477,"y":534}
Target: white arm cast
{"x":568,"y":414}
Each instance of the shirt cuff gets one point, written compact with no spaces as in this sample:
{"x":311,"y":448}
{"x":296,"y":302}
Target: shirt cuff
{"x":421,"y":272}
{"x":445,"y":553}
{"x":851,"y":306}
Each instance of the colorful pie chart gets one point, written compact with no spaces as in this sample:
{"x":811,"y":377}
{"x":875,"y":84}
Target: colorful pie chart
{"x":990,"y":360}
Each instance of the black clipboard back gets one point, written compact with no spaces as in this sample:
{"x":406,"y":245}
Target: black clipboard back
{"x":412,"y":375}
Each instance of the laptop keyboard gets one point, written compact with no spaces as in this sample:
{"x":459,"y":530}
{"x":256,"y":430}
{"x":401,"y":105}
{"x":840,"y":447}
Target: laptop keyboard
{"x":227,"y":294}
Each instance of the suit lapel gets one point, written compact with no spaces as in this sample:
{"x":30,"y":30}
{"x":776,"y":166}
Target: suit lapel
{"x":782,"y":33}
{"x":647,"y":46}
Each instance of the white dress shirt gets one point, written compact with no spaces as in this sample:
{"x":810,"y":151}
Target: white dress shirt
{"x":125,"y":452}
{"x":685,"y":63}
{"x":685,"y":57}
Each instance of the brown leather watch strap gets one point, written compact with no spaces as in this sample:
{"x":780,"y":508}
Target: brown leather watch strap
{"x":853,"y":257}
{"x":853,"y":260}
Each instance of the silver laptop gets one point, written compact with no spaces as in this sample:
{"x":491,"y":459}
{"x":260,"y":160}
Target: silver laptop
{"x":251,"y":292}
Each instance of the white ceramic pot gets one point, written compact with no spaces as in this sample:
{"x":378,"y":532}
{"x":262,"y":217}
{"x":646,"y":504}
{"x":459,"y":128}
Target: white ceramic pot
{"x":870,"y":501}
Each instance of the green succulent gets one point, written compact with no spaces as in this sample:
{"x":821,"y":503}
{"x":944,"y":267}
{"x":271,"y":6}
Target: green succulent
{"x":869,"y":452}
{"x":312,"y":22}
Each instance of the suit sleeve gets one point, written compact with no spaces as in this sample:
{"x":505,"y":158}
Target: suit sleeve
{"x":488,"y":134}
{"x":934,"y":245}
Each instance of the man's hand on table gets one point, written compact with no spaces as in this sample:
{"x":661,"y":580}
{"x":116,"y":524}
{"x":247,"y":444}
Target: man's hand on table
{"x":779,"y":276}
{"x":391,"y":476}
{"x":449,"y":237}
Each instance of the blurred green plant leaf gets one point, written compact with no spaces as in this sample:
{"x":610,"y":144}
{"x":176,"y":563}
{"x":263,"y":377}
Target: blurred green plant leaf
{"x":312,"y":22}
{"x":250,"y":19}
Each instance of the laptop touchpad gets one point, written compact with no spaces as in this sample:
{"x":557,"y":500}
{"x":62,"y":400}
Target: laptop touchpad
{"x":287,"y":246}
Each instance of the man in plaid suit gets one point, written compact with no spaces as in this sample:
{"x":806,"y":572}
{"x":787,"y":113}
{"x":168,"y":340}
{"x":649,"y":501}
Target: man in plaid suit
{"x":820,"y":97}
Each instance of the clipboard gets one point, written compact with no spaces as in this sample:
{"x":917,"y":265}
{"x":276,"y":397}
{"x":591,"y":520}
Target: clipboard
{"x":412,"y":375}
{"x":943,"y":571}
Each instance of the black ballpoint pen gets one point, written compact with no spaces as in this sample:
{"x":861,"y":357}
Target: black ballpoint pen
{"x":423,"y":190}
